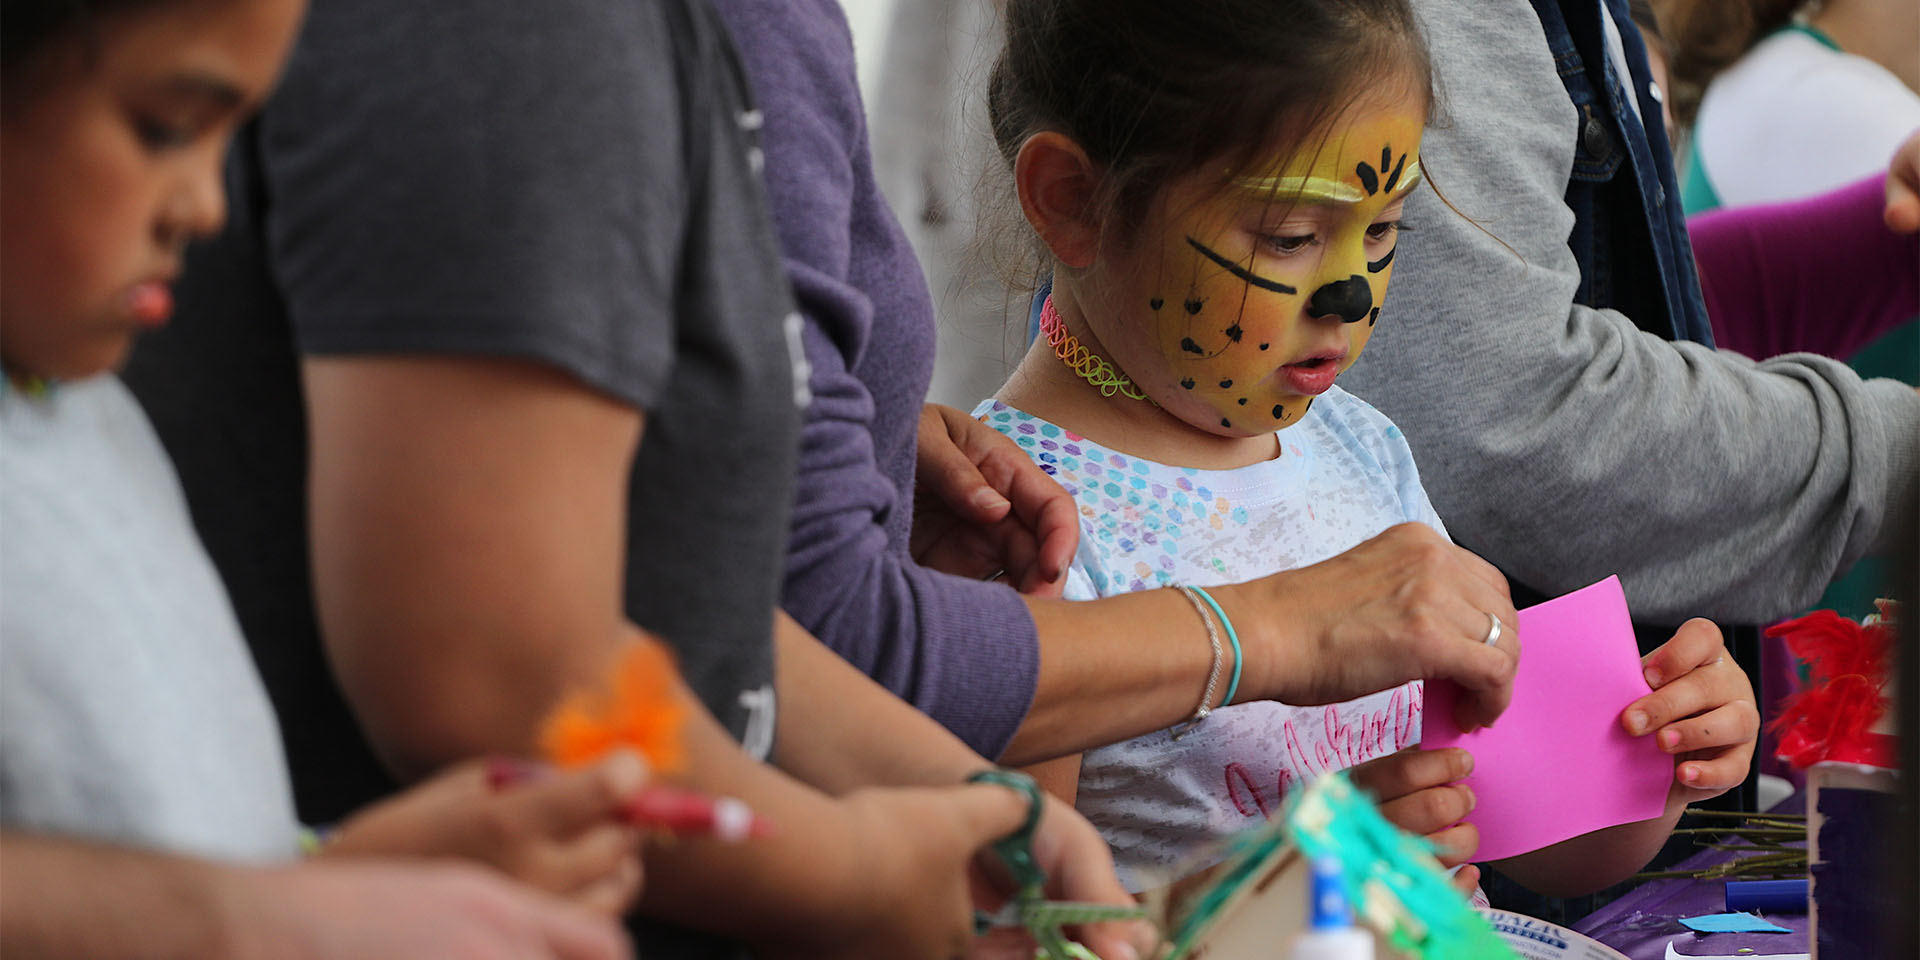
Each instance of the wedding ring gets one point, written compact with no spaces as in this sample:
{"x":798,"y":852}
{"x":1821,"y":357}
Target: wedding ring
{"x":1493,"y":630}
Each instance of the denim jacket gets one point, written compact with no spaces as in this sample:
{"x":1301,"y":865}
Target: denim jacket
{"x":1629,"y":234}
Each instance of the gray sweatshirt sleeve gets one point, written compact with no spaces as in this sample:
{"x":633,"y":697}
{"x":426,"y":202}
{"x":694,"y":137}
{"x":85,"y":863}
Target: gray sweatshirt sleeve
{"x":1564,"y":444}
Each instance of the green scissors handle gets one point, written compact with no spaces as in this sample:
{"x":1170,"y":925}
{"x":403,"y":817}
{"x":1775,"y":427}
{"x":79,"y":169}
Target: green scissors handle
{"x":1030,"y":907}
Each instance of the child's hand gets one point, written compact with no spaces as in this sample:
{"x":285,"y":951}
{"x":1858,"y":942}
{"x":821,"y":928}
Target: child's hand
{"x":561,"y":832}
{"x":1701,"y":711}
{"x":1417,"y":791}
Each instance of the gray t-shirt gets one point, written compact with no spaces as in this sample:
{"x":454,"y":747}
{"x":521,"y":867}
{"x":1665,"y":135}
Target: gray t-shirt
{"x":563,"y":182}
{"x":129,"y":711}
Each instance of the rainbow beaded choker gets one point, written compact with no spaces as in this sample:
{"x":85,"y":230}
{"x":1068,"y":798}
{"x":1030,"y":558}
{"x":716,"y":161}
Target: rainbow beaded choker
{"x":1091,"y":368}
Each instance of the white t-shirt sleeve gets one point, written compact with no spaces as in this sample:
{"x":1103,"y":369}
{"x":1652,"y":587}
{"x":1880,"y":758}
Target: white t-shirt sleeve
{"x":1795,"y":118}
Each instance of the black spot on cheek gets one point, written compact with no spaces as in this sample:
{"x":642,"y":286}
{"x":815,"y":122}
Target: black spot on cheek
{"x":1225,"y":384}
{"x":1225,"y":422}
{"x":1373,"y":316}
{"x":1193,"y":306}
{"x":1265,"y":345}
{"x":1156,"y":303}
{"x":1187,"y":383}
{"x":1234,"y":333}
{"x":1279,"y":412}
{"x":1243,"y":401}
{"x":1187,"y":344}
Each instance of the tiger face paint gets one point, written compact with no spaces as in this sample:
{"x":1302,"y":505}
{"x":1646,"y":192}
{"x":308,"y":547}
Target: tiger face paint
{"x":1235,"y":307}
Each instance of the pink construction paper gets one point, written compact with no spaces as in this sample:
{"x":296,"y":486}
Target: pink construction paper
{"x":1558,"y":764}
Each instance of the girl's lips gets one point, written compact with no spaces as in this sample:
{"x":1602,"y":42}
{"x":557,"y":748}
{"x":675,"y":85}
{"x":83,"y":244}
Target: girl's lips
{"x":151,"y":303}
{"x":1312,"y":377}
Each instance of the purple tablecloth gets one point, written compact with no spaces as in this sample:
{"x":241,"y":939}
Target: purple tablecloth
{"x":1643,"y":922}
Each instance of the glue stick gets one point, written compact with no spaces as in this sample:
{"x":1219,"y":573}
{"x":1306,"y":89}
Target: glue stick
{"x":1332,"y":935}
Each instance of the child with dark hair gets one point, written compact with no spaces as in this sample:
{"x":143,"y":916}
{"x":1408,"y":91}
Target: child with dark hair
{"x":145,"y":806}
{"x":1219,"y":187}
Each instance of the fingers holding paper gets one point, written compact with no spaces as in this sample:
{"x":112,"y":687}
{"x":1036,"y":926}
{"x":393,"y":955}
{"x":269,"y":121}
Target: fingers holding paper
{"x":1701,"y":711}
{"x":1417,"y":791}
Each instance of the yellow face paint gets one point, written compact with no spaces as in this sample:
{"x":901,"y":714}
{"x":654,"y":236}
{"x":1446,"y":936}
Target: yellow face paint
{"x":1238,"y":306}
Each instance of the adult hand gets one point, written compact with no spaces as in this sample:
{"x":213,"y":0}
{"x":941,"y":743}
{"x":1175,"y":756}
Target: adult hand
{"x":1701,"y":711}
{"x":910,"y":853}
{"x":981,"y":506}
{"x":374,"y":909}
{"x":1405,"y":605}
{"x":1903,"y":187}
{"x":1417,"y":791}
{"x":560,"y":832}
{"x":1079,"y":868}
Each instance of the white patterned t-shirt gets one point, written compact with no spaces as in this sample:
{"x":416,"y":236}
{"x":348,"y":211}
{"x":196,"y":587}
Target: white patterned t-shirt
{"x":1344,"y":474}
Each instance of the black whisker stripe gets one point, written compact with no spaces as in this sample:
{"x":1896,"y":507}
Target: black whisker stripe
{"x":1240,"y":271}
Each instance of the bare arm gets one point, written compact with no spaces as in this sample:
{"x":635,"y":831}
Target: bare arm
{"x":1402,"y":606}
{"x":74,"y":900}
{"x":52,"y":892}
{"x":467,"y":545}
{"x":468,"y":520}
{"x":839,"y":730}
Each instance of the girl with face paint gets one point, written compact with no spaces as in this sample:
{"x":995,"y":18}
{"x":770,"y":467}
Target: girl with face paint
{"x":1210,"y":284}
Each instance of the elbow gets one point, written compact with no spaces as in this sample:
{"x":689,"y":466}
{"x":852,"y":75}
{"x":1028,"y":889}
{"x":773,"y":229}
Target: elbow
{"x":423,"y":711}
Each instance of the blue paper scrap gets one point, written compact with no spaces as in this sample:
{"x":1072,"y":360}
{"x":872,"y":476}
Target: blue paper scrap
{"x":1731,"y":923}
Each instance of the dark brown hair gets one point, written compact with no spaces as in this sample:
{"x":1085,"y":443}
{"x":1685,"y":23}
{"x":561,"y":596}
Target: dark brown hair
{"x":1155,"y":90}
{"x":1707,"y":36}
{"x":38,"y":30}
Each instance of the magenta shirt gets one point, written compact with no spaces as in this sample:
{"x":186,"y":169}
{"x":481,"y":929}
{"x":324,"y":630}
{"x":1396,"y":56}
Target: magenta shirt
{"x":1821,"y":275}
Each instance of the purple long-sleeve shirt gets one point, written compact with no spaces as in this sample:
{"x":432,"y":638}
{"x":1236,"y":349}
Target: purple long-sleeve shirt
{"x":1821,"y":275}
{"x":963,"y":651}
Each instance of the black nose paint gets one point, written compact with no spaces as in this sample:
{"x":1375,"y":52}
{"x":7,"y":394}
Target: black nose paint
{"x":1193,"y":306}
{"x":1348,"y":299}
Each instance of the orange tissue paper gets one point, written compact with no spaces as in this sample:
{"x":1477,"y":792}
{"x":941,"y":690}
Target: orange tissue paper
{"x":637,"y":709}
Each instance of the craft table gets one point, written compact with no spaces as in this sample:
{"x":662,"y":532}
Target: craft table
{"x":1643,"y":922}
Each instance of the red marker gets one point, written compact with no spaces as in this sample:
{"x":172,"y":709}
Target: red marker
{"x":666,"y":809}
{"x":685,"y":813}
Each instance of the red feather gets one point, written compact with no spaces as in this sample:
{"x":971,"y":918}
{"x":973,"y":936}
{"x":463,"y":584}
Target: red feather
{"x":1848,"y":664}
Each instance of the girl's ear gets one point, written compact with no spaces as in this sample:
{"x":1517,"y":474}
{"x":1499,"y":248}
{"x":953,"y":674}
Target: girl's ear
{"x":1056,"y":183}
